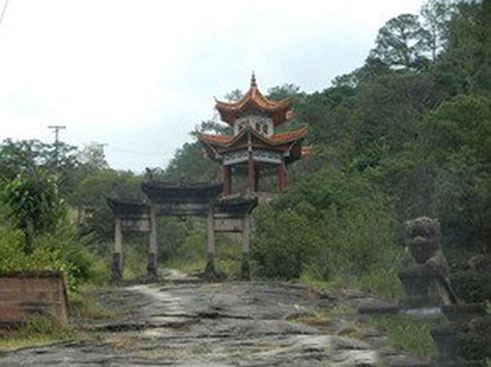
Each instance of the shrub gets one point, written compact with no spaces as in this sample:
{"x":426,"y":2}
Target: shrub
{"x":471,"y":286}
{"x":34,"y":203}
{"x":11,"y":249}
{"x":60,"y":250}
{"x":284,"y":243}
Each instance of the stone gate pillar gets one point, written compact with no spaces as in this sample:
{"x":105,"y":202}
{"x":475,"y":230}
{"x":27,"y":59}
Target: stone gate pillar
{"x":117,"y":266}
{"x":245,"y":268}
{"x":152,"y":248}
{"x":210,"y":248}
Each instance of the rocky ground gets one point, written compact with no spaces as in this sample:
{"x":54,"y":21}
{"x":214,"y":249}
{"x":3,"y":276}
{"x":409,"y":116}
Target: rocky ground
{"x":184,"y":322}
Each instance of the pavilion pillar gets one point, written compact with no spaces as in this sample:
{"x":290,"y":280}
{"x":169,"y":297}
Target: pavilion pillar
{"x":117,"y":266}
{"x":256,"y":178}
{"x":220,"y":174}
{"x":152,"y":248}
{"x":246,"y":227}
{"x":281,"y":176}
{"x":210,"y":248}
{"x":227,"y":180}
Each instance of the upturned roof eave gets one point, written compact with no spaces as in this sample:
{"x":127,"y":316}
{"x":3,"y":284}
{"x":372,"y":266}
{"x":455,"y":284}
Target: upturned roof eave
{"x":301,"y":133}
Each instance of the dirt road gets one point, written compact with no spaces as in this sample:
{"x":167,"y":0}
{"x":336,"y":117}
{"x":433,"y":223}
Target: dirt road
{"x":210,"y":324}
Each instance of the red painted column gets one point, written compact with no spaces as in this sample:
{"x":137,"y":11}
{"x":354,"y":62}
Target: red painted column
{"x":281,"y":176}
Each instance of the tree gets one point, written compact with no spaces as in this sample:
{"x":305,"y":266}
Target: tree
{"x":58,"y":159}
{"x":402,"y":43}
{"x":34,"y":202}
{"x":283,"y":91}
{"x":234,"y":95}
{"x":213,"y":127}
{"x":436,"y":15}
{"x":466,"y":49}
{"x":92,"y":157}
{"x":191,"y":165}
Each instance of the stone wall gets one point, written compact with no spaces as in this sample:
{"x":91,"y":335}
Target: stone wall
{"x":23,"y":294}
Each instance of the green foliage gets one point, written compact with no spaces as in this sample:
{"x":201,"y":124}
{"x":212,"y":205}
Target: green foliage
{"x":34,"y":203}
{"x":92,"y":158}
{"x":190,"y":164}
{"x":349,"y":232}
{"x":402,"y":42}
{"x":282,"y":92}
{"x":85,"y":306}
{"x":473,"y":343}
{"x":460,"y":135}
{"x":471,"y":286}
{"x":92,"y":194}
{"x":38,"y":330}
{"x":436,"y":15}
{"x":58,"y":159}
{"x":284,"y":243}
{"x":12,"y":249}
{"x":61,"y":250}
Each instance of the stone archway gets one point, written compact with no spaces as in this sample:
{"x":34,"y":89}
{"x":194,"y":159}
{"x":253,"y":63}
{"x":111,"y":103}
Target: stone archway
{"x":170,"y":199}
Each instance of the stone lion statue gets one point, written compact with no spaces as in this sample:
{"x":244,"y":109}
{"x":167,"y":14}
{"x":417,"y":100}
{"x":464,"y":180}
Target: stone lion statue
{"x":425,"y":273}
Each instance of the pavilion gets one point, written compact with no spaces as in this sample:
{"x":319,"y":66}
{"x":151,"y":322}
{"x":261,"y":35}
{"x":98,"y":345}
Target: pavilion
{"x":254,"y":149}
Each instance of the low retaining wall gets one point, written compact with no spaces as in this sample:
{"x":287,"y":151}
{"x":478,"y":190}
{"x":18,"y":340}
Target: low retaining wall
{"x":23,"y":294}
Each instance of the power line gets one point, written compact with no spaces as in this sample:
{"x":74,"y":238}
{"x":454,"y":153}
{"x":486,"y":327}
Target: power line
{"x":4,"y":11}
{"x":112,"y":147}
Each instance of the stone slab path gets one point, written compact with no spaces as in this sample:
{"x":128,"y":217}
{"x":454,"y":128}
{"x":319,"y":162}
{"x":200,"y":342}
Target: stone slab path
{"x":188,"y":323}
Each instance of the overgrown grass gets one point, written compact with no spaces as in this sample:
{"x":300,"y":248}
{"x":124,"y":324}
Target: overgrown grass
{"x":46,"y":329}
{"x":192,"y":258}
{"x":410,"y":334}
{"x":37,"y":330}
{"x":382,"y":282}
{"x":186,"y":265}
{"x":317,"y":318}
{"x":85,"y":306}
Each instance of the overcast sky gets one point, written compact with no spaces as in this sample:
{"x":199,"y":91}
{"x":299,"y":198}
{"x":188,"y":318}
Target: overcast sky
{"x":138,"y":75}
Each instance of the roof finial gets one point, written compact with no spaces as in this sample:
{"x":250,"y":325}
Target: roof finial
{"x":253,"y":80}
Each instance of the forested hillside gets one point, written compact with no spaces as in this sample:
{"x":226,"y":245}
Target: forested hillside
{"x":408,"y":133}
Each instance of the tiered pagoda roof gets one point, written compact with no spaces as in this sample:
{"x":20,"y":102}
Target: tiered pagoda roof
{"x":254,"y":102}
{"x":252,"y":113}
{"x":229,"y":141}
{"x":291,"y":141}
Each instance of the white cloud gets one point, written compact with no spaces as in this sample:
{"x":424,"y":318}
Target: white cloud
{"x":139,"y":75}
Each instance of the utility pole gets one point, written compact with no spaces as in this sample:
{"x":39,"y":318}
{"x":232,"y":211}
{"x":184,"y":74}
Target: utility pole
{"x":56,"y":129}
